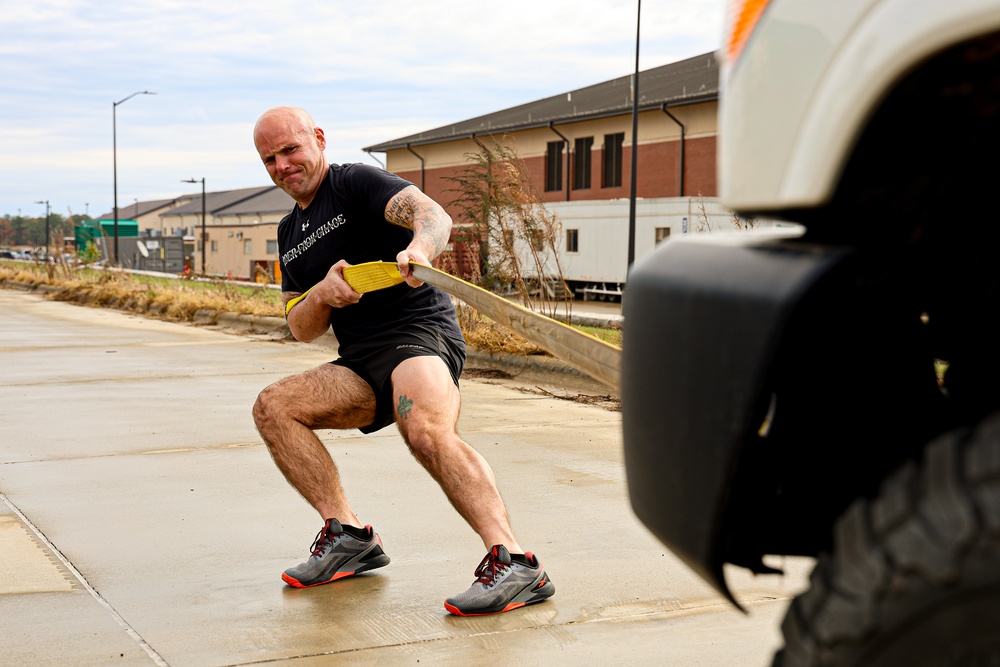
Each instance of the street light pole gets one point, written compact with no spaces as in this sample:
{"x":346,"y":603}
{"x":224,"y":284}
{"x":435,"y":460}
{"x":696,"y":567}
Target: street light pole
{"x":635,"y":143}
{"x":204,"y":240}
{"x":46,"y":202}
{"x":114,"y":156}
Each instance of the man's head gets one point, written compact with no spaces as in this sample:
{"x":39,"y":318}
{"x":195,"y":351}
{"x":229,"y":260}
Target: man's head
{"x":291,"y":147}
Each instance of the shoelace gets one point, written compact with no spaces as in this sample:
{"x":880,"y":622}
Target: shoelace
{"x":490,"y":568}
{"x":323,"y":540}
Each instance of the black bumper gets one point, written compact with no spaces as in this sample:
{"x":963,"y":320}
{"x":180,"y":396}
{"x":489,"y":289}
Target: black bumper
{"x":702,"y":323}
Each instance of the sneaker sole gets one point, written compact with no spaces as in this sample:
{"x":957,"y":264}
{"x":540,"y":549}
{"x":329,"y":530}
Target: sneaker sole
{"x":369,"y":560}
{"x":540,"y":590}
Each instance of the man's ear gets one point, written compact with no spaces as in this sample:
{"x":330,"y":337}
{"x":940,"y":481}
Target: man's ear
{"x":321,"y":138}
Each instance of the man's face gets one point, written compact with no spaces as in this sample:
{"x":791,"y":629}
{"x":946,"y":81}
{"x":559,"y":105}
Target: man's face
{"x":292,"y":152}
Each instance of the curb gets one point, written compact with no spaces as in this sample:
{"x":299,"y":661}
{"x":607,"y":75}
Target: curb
{"x":277,"y":328}
{"x":520,"y":363}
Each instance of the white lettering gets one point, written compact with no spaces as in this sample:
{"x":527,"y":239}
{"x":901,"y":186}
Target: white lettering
{"x":310,"y":240}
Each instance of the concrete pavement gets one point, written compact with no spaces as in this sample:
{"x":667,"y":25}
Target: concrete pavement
{"x":143,"y":522}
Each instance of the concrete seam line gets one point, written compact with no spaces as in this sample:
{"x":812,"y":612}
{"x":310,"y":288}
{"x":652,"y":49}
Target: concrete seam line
{"x":97,"y":596}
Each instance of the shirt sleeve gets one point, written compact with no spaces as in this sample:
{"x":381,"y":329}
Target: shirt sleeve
{"x":373,"y":187}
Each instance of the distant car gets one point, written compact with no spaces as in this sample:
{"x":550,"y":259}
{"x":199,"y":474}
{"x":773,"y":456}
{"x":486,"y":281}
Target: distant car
{"x":5,"y":253}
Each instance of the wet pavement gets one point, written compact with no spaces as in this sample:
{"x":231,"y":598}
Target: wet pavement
{"x":143,"y":522}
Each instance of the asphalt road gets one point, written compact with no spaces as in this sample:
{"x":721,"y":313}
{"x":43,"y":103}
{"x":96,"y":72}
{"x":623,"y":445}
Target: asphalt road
{"x":143,"y":522}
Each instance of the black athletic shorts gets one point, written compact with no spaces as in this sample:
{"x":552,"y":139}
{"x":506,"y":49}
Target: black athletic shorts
{"x":375,"y":358}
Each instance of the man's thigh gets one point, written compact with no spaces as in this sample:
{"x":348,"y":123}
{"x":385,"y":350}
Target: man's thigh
{"x":423,"y":389}
{"x":328,"y":396}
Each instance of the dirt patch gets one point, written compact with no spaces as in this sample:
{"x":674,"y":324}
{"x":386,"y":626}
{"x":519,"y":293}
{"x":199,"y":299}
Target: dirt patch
{"x":566,"y":388}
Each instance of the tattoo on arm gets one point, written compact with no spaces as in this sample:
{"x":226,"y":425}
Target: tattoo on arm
{"x":430,"y":224}
{"x":405,"y":407}
{"x":431,"y":230}
{"x":400,"y":209}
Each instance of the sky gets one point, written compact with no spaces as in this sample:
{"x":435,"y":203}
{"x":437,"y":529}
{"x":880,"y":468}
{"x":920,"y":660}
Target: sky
{"x":368,"y":72}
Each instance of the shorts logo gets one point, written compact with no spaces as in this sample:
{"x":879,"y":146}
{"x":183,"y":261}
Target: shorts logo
{"x":419,"y":347}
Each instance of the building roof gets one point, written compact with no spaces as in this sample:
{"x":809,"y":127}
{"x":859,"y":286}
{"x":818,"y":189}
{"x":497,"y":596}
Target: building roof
{"x":271,"y":200}
{"x":217,"y":202}
{"x":684,"y":82}
{"x":134,"y":210}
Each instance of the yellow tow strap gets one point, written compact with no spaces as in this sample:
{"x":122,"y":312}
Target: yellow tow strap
{"x":291,"y":302}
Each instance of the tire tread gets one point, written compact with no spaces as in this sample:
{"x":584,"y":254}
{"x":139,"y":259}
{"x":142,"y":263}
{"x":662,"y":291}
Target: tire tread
{"x":901,"y":550}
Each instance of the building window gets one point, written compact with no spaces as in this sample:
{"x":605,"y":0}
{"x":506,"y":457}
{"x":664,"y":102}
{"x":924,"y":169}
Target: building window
{"x":553,"y":166}
{"x":662,"y":234}
{"x":215,"y":246}
{"x":612,"y":172}
{"x":581,"y":163}
{"x":272,"y":247}
{"x":572,"y":240}
{"x":247,"y":246}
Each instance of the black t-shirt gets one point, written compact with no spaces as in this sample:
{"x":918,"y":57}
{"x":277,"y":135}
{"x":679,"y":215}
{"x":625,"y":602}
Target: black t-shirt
{"x":346,"y":220}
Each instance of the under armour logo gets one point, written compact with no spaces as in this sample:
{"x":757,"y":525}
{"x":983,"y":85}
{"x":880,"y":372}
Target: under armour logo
{"x":305,"y":226}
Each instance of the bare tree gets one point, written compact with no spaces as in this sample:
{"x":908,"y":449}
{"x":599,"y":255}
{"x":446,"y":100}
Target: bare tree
{"x":503,"y":213}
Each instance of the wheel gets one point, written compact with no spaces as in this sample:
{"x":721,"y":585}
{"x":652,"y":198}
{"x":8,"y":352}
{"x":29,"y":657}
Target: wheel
{"x":914,"y":577}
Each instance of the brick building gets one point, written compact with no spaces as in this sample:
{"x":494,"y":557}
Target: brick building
{"x":577,"y":147}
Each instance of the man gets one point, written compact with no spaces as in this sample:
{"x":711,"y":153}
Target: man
{"x":401,"y":355}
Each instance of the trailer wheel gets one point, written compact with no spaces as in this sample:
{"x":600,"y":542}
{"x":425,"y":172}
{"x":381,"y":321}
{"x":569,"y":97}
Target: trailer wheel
{"x":914,"y":577}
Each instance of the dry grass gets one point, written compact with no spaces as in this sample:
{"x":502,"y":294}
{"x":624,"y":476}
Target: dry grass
{"x":180,"y":300}
{"x":171,"y":299}
{"x":483,"y":333}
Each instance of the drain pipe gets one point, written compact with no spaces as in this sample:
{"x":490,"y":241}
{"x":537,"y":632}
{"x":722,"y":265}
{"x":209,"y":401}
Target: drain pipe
{"x":663,"y":108}
{"x":376,"y":159}
{"x":565,"y":141}
{"x":478,"y":142}
{"x":421,"y":166}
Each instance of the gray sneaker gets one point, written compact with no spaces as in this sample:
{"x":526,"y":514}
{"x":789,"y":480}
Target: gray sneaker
{"x":335,"y":555}
{"x":502,"y":585}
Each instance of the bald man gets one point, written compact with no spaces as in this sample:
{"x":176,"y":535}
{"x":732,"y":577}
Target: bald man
{"x":400,"y":357}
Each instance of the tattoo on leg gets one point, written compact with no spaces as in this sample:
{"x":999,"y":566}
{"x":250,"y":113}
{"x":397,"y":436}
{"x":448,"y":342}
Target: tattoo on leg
{"x":405,"y":407}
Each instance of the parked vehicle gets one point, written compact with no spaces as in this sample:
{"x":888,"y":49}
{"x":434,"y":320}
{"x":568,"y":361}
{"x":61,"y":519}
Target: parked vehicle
{"x":835,"y":394}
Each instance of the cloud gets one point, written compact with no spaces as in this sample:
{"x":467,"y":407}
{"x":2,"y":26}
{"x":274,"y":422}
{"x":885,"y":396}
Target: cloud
{"x":369,"y":72}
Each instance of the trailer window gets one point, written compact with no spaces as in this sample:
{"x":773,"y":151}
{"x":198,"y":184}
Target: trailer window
{"x":572,"y":240}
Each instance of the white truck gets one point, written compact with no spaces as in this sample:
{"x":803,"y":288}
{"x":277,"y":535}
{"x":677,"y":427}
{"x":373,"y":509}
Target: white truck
{"x":836,"y":393}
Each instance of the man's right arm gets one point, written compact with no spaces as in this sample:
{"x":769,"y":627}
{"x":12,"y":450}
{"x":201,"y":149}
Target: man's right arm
{"x":309,"y":317}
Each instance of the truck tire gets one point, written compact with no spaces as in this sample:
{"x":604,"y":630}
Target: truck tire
{"x":914,"y":577}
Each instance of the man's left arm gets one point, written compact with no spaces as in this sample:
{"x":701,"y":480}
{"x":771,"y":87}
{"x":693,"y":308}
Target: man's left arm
{"x":431,"y":227}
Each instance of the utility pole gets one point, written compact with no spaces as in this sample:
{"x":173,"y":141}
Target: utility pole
{"x":47,"y":209}
{"x":114,"y":157}
{"x":204,"y":236}
{"x":635,"y":143}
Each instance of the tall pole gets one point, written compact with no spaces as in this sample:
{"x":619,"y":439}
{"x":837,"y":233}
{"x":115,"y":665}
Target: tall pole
{"x":635,"y":142}
{"x":204,"y":236}
{"x":47,"y":209}
{"x":114,"y":157}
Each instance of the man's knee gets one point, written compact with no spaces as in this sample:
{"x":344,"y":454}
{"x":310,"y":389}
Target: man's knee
{"x":418,"y":437}
{"x":426,"y":440}
{"x":266,"y":406}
